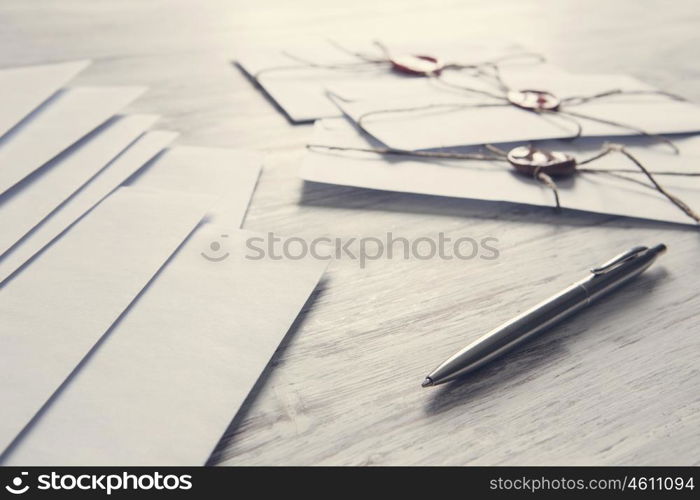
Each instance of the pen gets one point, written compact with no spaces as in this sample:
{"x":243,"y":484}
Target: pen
{"x":602,"y":280}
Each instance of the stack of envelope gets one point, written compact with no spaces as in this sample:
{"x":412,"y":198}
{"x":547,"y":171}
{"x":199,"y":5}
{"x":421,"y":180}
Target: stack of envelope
{"x":361,"y":104}
{"x":132,"y":323}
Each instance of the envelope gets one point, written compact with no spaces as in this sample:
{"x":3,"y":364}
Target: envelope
{"x":33,"y":199}
{"x":57,"y":310}
{"x":80,"y":202}
{"x":25,"y":88}
{"x":293,"y":79}
{"x":498,"y":181}
{"x":192,"y":346}
{"x":228,"y":174}
{"x":165,"y":383}
{"x":57,"y":125}
{"x":440,"y":114}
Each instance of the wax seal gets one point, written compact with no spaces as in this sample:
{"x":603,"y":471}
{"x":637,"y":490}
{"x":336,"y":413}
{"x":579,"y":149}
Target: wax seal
{"x":417,"y":65}
{"x":534,"y":100}
{"x":529,"y":160}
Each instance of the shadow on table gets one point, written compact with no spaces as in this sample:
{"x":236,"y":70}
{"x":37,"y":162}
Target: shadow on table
{"x":352,"y":198}
{"x":219,"y":454}
{"x":547,"y":350}
{"x":268,"y":97}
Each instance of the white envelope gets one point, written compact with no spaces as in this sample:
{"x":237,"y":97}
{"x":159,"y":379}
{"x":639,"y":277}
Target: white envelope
{"x":300,"y":89}
{"x":498,"y":181}
{"x":108,"y":179}
{"x":165,"y":383}
{"x":24,"y":88}
{"x":53,"y":314}
{"x":428,"y":115}
{"x":30,"y":201}
{"x":58,"y":124}
{"x":228,"y":174}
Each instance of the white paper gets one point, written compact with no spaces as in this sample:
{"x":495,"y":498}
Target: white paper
{"x":482,"y":180}
{"x":24,"y":88}
{"x":108,"y":179}
{"x":229,"y":174}
{"x":166,"y":382}
{"x":30,"y":201}
{"x":59,"y":123}
{"x":52,"y":315}
{"x":450,"y":118}
{"x":300,"y":90}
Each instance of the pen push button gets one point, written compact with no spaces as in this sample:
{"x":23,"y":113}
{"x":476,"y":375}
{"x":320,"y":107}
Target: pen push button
{"x":619,"y":260}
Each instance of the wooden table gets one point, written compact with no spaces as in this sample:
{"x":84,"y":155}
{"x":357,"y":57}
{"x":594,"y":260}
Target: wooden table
{"x":619,"y":384}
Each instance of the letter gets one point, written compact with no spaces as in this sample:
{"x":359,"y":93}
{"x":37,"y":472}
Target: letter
{"x":315,"y":242}
{"x":345,"y":249}
{"x":302,"y":244}
{"x":364,"y":257}
{"x":272,"y":240}
{"x":68,"y":482}
{"x":110,"y":485}
{"x":130,"y":477}
{"x":185,"y":482}
{"x":458,"y":244}
{"x":494,"y":251}
{"x":390,"y":246}
{"x":417,"y":255}
{"x":158,"y":477}
{"x":249,"y":246}
{"x":442,"y":239}
{"x":175,"y":482}
{"x":81,"y":480}
{"x":97,"y":482}
{"x":146,"y":480}
{"x":44,"y":482}
{"x":536,"y":484}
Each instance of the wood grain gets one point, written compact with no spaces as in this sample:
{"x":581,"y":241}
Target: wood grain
{"x":616,"y":385}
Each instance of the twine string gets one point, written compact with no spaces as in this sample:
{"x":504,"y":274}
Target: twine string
{"x":356,"y":54}
{"x":562,"y":110}
{"x":463,"y":88}
{"x":673,"y":198}
{"x":386,"y":60}
{"x":424,"y":107}
{"x":499,"y":155}
{"x":651,"y":135}
{"x":305,"y":63}
{"x":545,"y":179}
{"x":576,"y":100}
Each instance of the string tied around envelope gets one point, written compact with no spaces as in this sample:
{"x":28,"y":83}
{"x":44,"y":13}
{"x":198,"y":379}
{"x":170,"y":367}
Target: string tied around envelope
{"x":540,"y":102}
{"x":544,"y":166}
{"x":407,"y":64}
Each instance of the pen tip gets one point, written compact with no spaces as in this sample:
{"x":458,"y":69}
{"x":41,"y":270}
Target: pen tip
{"x":427,"y":382}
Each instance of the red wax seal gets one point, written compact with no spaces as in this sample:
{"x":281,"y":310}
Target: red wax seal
{"x":534,"y":100}
{"x":528,"y":160}
{"x":417,"y":65}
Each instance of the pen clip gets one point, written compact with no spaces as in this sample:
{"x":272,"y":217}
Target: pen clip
{"x":618,"y":260}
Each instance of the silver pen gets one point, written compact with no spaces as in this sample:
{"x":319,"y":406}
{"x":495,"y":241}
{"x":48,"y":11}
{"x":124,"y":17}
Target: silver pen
{"x":602,"y":280}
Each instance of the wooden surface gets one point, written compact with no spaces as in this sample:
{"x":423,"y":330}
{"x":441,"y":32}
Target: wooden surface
{"x":616,"y":385}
